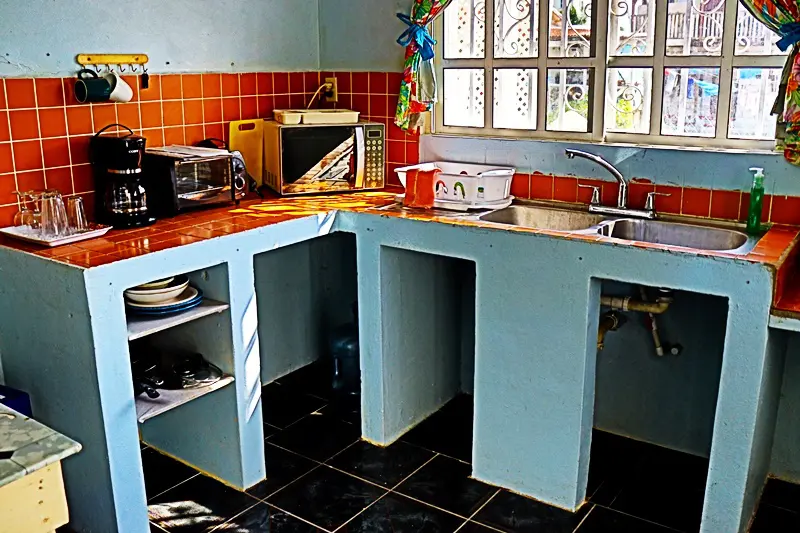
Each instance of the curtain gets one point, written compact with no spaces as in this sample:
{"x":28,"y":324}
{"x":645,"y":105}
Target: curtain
{"x":418,"y":88}
{"x":783,"y":18}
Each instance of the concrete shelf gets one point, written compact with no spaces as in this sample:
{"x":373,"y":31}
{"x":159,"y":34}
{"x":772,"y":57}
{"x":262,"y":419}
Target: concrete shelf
{"x":147,"y":408}
{"x":142,"y":326}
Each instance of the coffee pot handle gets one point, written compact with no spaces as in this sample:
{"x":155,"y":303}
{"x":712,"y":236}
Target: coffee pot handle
{"x":130,"y":131}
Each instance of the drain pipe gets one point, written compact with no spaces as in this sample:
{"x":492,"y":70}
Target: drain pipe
{"x":626,"y":303}
{"x":610,"y":321}
{"x":651,"y":318}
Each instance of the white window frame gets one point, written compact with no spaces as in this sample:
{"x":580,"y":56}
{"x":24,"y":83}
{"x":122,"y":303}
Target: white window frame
{"x":598,"y":63}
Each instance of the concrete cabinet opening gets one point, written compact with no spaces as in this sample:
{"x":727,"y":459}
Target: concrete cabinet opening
{"x":304,"y":292}
{"x":427,"y":309}
{"x":668,"y":401}
{"x":194,"y":425}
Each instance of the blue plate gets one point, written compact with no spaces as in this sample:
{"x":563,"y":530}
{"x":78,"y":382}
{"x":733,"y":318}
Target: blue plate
{"x":167,"y":310}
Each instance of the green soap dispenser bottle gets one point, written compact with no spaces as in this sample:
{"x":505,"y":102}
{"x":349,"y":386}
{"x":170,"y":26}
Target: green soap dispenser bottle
{"x":756,"y":201}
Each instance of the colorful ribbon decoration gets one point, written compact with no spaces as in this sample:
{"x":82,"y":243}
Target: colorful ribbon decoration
{"x":783,"y":18}
{"x":412,"y":103}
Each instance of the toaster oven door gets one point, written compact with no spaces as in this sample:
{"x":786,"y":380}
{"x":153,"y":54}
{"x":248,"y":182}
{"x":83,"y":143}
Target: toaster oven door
{"x":322,"y":159}
{"x":202,"y":182}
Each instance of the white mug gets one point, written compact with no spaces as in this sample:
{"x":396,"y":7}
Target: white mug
{"x":120,"y":90}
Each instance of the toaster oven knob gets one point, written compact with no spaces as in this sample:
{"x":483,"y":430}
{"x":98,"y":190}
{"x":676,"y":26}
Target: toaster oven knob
{"x":239,"y":183}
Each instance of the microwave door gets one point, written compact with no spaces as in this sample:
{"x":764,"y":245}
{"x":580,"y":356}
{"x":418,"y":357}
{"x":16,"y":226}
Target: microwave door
{"x":319,"y":158}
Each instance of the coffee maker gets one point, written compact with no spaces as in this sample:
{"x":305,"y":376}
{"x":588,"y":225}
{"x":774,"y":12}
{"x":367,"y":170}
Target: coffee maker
{"x":121,"y":197}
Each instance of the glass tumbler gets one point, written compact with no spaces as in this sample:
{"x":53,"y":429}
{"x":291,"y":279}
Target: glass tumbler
{"x":25,"y":217}
{"x":54,"y":215}
{"x":76,"y":215}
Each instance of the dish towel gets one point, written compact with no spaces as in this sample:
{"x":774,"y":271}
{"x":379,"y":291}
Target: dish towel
{"x":419,"y":188}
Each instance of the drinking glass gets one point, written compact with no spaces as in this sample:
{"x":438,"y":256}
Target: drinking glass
{"x":54,"y":215}
{"x":76,"y":215}
{"x":25,"y":217}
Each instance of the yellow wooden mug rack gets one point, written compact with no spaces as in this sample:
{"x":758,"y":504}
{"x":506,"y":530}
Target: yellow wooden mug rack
{"x":87,"y":60}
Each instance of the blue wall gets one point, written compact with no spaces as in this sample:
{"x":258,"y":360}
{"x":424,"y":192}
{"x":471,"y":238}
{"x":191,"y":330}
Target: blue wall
{"x":42,"y":37}
{"x":361,"y":34}
{"x":670,"y":166}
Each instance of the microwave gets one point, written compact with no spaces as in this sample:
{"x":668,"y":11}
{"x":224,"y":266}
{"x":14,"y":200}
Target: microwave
{"x":181,"y":178}
{"x":322,"y":158}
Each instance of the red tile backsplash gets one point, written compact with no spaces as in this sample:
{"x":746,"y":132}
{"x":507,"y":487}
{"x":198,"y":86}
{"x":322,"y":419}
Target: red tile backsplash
{"x":46,"y":128}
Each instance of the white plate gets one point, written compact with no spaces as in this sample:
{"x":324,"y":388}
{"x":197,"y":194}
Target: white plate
{"x":155,"y":296}
{"x":29,"y":235}
{"x":158,"y":284}
{"x":185,"y":296}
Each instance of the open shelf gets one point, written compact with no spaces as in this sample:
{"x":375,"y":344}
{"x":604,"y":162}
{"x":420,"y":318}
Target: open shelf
{"x":142,"y":326}
{"x":147,"y":408}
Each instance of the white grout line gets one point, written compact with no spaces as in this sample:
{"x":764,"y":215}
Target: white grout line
{"x":584,"y":518}
{"x":172,"y":487}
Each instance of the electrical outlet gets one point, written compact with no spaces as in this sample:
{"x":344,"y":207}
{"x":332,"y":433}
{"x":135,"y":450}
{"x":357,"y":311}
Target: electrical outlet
{"x":332,"y":95}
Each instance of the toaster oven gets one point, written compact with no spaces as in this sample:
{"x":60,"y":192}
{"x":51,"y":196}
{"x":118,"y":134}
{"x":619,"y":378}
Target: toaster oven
{"x":320,"y":158}
{"x":181,"y":178}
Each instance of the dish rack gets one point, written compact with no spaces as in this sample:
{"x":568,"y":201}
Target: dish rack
{"x":463,"y":186}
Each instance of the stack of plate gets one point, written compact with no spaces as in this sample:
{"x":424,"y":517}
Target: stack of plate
{"x":163,"y":297}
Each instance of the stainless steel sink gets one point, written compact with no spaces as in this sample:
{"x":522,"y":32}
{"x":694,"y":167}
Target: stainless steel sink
{"x":675,"y":234}
{"x":544,"y":218}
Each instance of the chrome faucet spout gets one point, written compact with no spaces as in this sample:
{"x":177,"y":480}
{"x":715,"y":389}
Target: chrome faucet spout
{"x":622,"y":197}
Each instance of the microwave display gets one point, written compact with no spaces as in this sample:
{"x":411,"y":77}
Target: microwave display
{"x":308,"y":159}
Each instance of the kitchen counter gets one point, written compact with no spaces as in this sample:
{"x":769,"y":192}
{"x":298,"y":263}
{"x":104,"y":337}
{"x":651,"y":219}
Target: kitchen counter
{"x":537,"y":295}
{"x":775,"y":250}
{"x":32,"y":446}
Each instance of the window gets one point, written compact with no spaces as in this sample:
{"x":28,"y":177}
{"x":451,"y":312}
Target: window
{"x":676,"y":72}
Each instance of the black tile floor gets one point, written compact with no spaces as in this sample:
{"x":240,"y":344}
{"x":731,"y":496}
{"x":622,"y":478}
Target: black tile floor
{"x":322,"y":477}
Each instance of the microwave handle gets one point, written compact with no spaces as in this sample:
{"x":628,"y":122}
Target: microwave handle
{"x":360,"y":157}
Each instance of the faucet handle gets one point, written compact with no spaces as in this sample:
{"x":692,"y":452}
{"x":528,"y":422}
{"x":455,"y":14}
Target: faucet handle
{"x":650,"y":202}
{"x":595,"y":193}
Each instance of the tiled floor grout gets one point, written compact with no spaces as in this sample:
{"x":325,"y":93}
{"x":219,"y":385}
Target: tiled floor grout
{"x":478,"y":510}
{"x":388,"y":491}
{"x":592,"y":508}
{"x":393,"y":492}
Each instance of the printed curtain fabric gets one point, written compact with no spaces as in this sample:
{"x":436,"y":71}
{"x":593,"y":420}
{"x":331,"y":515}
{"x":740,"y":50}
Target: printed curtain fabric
{"x":418,"y":88}
{"x":783,"y":18}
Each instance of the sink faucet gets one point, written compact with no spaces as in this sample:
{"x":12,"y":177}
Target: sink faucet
{"x":621,"y":209}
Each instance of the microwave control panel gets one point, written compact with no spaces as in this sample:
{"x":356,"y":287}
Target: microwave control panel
{"x":374,"y":161}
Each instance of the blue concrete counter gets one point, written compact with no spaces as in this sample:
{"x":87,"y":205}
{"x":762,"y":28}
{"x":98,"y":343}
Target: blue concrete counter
{"x":536,"y":315}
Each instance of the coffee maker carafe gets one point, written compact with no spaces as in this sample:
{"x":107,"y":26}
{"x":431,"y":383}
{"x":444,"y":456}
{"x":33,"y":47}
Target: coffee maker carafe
{"x":121,"y":196}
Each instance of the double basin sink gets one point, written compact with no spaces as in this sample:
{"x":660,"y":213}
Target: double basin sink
{"x":653,"y":231}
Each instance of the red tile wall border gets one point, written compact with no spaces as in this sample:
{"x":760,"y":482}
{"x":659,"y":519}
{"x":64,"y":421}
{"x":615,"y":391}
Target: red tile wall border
{"x":689,"y":201}
{"x":44,"y":131}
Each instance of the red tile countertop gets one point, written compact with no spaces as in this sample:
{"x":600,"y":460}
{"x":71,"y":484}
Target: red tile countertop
{"x":775,"y":250}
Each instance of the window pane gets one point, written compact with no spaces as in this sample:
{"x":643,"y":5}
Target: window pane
{"x":690,"y":101}
{"x":568,"y":100}
{"x":753,"y":38}
{"x":754,"y":91}
{"x":516,"y":28}
{"x":464,"y":29}
{"x":570,"y":34}
{"x":694,"y":27}
{"x":631,"y":29}
{"x":463,"y":97}
{"x":628,"y":95}
{"x":515,"y":98}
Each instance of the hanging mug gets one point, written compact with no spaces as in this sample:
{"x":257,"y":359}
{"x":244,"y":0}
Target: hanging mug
{"x":120,"y":90}
{"x":92,"y":88}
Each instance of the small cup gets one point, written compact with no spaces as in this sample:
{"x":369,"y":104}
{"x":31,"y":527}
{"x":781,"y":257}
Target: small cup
{"x":120,"y":90}
{"x":76,"y":215}
{"x":89,"y":87}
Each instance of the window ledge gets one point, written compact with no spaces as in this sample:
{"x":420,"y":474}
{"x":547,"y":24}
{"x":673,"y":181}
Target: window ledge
{"x":714,"y":149}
